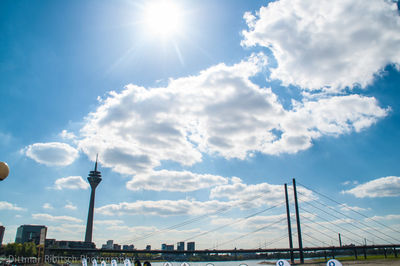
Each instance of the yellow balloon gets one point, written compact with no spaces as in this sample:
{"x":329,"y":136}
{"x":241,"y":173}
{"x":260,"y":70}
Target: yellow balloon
{"x":4,"y":170}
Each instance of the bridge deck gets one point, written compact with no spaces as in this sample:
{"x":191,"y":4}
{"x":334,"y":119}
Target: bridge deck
{"x":215,"y":251}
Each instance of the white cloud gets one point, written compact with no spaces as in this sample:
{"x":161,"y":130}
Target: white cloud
{"x":218,"y":112}
{"x":47,"y":206}
{"x":256,"y":195}
{"x":133,"y":131}
{"x":348,"y":182}
{"x":71,"y":182}
{"x":51,"y":218}
{"x":67,"y":135}
{"x":70,"y":206}
{"x":337,"y":115}
{"x":163,"y":207}
{"x":66,"y":231}
{"x":259,"y":221}
{"x":52,"y":153}
{"x":4,"y":205}
{"x":237,"y":194}
{"x":165,"y":180}
{"x":137,"y":230}
{"x":108,"y":222}
{"x":331,"y":116}
{"x":327,"y":43}
{"x":253,"y":223}
{"x":377,"y":188}
{"x":345,"y":207}
{"x":388,"y":217}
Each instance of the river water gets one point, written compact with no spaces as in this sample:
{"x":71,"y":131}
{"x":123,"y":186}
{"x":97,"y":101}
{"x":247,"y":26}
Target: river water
{"x":211,"y":263}
{"x":206,"y":263}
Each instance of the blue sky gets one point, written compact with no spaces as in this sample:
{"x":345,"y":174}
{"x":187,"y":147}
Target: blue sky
{"x":217,"y":110}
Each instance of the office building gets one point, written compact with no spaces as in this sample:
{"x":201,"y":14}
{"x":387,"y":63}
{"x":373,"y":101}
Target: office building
{"x":108,"y":245}
{"x":180,"y":246}
{"x":128,"y":247}
{"x":74,"y":244}
{"x":50,"y":243}
{"x":31,"y":233}
{"x":167,"y":247}
{"x":2,"y":229}
{"x":191,"y":246}
{"x":53,"y":243}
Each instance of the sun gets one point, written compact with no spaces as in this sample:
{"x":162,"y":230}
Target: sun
{"x":163,"y":18}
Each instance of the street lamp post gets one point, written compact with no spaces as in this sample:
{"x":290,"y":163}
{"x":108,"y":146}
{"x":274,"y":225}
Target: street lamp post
{"x":4,"y":170}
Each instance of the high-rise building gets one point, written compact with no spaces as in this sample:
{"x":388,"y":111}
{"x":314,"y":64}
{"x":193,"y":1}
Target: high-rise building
{"x":31,"y":233}
{"x":190,"y":246}
{"x":2,"y":229}
{"x":108,"y":245}
{"x":148,"y":247}
{"x":94,"y":180}
{"x":180,"y":246}
{"x":128,"y":247}
{"x":167,"y":247}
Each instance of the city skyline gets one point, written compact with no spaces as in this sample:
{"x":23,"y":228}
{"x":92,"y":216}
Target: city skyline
{"x":198,"y":112}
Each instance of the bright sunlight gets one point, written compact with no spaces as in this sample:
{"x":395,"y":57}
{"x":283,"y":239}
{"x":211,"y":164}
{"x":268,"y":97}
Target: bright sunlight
{"x":163,"y":17}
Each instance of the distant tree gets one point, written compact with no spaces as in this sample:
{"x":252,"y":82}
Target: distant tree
{"x":25,"y":250}
{"x":10,"y":249}
{"x":30,"y":249}
{"x":19,"y":249}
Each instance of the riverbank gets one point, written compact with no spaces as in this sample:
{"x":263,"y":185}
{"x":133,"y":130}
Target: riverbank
{"x":380,"y":262}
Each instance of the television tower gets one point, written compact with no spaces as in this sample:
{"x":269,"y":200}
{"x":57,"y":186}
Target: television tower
{"x":94,"y":179}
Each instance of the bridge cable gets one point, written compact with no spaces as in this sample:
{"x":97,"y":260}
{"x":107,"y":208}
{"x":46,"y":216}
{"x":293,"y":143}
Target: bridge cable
{"x":252,"y":232}
{"x":345,"y":206}
{"x":237,"y":221}
{"x":310,"y":242}
{"x":308,"y":203}
{"x":315,"y":239}
{"x":346,"y":221}
{"x":347,"y":216}
{"x":326,"y":220}
{"x":325,"y":234}
{"x":303,"y":217}
{"x":189,"y":221}
{"x":277,"y":239}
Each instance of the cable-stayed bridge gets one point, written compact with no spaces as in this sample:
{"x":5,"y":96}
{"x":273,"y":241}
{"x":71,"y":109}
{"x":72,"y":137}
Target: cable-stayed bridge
{"x":318,"y":227}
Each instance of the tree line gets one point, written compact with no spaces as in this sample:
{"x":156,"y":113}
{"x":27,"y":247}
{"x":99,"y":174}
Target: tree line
{"x":27,"y":249}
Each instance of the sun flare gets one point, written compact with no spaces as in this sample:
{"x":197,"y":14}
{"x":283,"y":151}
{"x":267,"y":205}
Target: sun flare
{"x":163,"y":17}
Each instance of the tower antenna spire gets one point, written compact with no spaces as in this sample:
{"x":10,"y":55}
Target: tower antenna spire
{"x":95,"y":166}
